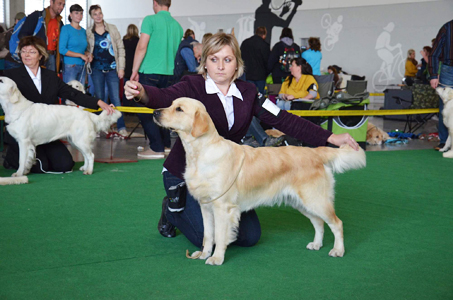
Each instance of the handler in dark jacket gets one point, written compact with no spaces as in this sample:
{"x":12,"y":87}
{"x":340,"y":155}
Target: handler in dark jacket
{"x":255,"y":54}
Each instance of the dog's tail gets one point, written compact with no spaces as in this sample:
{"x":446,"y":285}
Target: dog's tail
{"x":104,"y":121}
{"x":343,"y":159}
{"x":13,"y":180}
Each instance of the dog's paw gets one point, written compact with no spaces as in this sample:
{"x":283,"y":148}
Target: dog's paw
{"x":199,"y":255}
{"x":215,"y":261}
{"x":88,"y":172}
{"x":82,"y":168}
{"x":448,"y":154}
{"x":314,"y":246}
{"x":17,"y":174}
{"x":336,"y":252}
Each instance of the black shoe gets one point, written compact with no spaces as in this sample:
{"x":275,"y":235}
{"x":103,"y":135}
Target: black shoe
{"x":440,"y":146}
{"x":166,"y":229}
{"x":274,"y":141}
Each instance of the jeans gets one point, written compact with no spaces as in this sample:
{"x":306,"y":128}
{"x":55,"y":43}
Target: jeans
{"x":74,"y":72}
{"x":190,"y":221}
{"x":445,"y":78}
{"x":159,"y":138}
{"x":11,"y":65}
{"x":100,"y":79}
{"x":284,"y":105}
{"x":257,"y":131}
{"x":260,"y":84}
{"x":51,"y":62}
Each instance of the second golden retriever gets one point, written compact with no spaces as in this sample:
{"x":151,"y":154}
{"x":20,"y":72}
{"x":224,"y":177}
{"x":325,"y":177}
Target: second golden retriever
{"x":227,"y":178}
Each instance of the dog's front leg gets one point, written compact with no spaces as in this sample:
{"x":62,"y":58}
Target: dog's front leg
{"x":226,"y":219}
{"x":208,"y":234}
{"x":448,"y":152}
{"x":26,"y":157}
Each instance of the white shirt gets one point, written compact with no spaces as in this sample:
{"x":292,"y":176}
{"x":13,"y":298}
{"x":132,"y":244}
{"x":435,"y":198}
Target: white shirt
{"x":36,"y":79}
{"x":227,"y":100}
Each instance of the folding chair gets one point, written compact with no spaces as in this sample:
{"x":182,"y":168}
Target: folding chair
{"x":354,"y":87}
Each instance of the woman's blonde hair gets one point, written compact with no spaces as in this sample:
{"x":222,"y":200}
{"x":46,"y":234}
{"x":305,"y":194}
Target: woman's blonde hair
{"x":213,"y":45}
{"x":132,"y":31}
{"x":409,"y":52}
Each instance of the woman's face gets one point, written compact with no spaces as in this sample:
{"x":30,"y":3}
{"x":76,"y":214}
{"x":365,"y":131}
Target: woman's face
{"x":30,"y":56}
{"x":412,"y":55}
{"x":296,"y":70}
{"x":221,"y":66}
{"x":76,"y":16}
{"x":97,"y":16}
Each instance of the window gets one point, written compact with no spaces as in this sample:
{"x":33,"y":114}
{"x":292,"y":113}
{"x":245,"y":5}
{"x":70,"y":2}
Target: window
{"x":32,"y":5}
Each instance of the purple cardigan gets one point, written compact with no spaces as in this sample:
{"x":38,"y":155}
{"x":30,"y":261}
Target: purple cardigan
{"x":194,"y":87}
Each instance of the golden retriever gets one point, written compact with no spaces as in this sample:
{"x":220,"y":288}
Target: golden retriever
{"x":375,"y":135}
{"x":227,"y":178}
{"x":33,"y":124}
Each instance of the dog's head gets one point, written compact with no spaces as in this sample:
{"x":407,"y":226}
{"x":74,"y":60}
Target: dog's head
{"x":446,"y":94}
{"x":8,"y":91}
{"x":186,"y":116}
{"x":77,"y":85}
{"x":375,"y":135}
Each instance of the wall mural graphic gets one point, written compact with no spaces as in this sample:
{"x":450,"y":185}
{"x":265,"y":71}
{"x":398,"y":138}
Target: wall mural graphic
{"x":275,"y":13}
{"x":245,"y":28}
{"x":198,"y":28}
{"x":393,"y":62}
{"x":332,"y":30}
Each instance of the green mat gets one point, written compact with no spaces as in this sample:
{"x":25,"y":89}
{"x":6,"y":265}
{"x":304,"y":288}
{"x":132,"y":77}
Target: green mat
{"x":94,"y":237}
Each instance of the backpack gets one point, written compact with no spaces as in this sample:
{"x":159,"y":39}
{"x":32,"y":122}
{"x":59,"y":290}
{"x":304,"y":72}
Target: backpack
{"x":14,"y":41}
{"x":285,"y":60}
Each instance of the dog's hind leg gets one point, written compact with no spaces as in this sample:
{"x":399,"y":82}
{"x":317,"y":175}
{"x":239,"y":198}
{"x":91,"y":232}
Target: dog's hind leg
{"x":226,"y":219}
{"x":318,"y":224}
{"x":88,"y":156}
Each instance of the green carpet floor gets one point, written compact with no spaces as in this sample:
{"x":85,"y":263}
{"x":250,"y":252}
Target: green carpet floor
{"x":94,"y":237}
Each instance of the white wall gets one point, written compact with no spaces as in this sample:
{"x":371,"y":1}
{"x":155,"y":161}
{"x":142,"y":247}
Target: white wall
{"x":353,"y":46}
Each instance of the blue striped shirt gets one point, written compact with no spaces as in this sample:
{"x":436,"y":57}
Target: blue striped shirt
{"x":442,"y":50}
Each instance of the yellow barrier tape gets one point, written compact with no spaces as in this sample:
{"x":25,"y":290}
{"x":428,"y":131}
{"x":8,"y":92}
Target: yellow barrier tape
{"x":376,"y":94}
{"x":310,"y":113}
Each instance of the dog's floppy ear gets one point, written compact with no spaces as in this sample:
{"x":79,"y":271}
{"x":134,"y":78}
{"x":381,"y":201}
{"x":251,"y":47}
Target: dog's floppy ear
{"x":200,"y":124}
{"x":15,"y":94}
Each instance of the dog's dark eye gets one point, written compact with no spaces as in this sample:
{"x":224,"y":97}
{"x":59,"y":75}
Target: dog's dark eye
{"x":179,"y":109}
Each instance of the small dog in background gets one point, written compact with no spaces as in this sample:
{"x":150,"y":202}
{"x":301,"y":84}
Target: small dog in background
{"x":78,"y":86}
{"x":446,"y":94}
{"x":375,"y":135}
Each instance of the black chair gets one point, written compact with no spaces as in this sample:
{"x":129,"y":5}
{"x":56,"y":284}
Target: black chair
{"x":354,"y":87}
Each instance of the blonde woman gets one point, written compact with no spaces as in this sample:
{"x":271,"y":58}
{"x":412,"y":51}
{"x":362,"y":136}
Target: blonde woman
{"x":231,"y":103}
{"x":411,"y":64}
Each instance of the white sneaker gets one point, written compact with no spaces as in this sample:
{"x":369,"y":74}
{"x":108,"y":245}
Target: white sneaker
{"x":123,"y":132}
{"x":150,"y":154}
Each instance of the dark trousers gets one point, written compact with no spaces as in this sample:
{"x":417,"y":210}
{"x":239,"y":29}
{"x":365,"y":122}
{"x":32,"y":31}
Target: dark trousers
{"x":159,"y":138}
{"x":54,"y":156}
{"x":190,"y":221}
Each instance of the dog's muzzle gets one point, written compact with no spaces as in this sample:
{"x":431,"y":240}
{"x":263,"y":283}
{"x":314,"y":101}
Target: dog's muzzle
{"x":157,"y":115}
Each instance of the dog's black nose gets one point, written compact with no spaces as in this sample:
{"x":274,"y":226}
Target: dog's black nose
{"x":1,"y":80}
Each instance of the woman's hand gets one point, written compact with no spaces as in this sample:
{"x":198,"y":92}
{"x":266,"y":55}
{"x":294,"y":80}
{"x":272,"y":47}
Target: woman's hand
{"x":289,"y":97}
{"x":133,"y":89}
{"x":85,"y":58}
{"x":342,"y":139}
{"x":104,"y":106}
{"x":120,"y":74}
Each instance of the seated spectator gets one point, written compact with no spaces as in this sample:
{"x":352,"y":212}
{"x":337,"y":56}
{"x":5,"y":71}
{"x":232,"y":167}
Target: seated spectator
{"x":206,"y":37}
{"x":411,"y":65}
{"x":336,"y":77}
{"x":299,"y":85}
{"x":187,"y":56}
{"x":281,"y":55}
{"x":313,"y":55}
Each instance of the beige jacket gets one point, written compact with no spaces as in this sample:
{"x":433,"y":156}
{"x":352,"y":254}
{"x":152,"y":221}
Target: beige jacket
{"x":117,"y":43}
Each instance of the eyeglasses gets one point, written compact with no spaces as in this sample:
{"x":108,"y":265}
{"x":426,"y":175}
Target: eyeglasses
{"x":33,"y":52}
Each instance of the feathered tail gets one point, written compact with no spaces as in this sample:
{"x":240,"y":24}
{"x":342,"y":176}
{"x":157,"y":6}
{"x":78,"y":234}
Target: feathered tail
{"x":343,"y":158}
{"x":104,"y":121}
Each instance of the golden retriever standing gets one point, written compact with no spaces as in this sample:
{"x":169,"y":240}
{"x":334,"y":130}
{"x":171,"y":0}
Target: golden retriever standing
{"x":227,"y":178}
{"x":33,"y":124}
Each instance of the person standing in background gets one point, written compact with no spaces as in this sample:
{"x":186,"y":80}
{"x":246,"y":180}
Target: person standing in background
{"x":313,"y":55}
{"x":442,"y":52}
{"x":154,"y":63}
{"x":49,"y":33}
{"x":73,"y":46}
{"x":255,"y":53}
